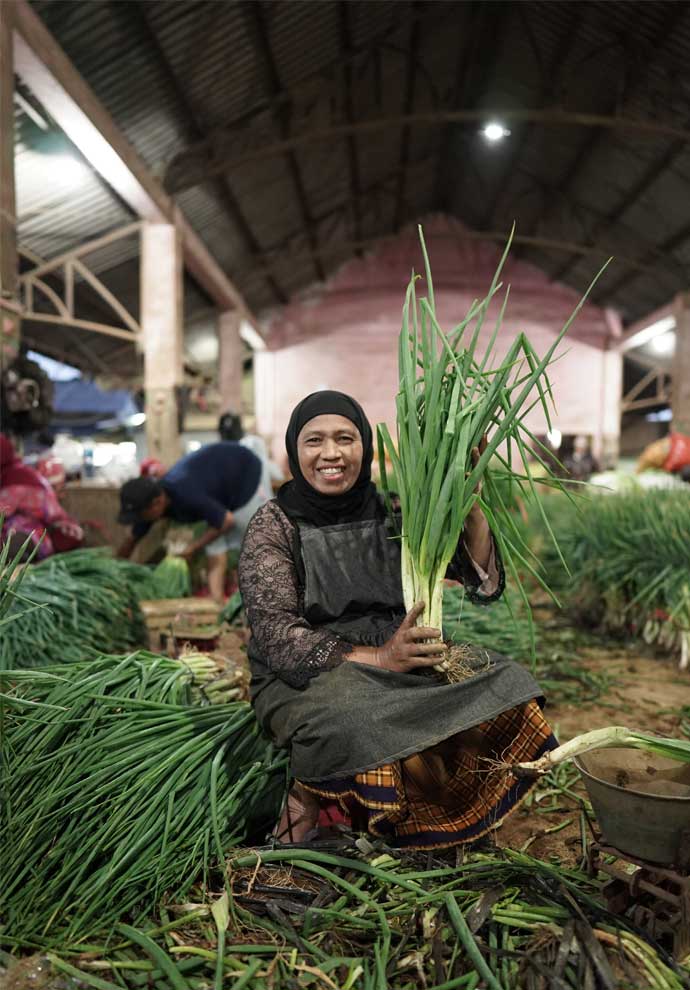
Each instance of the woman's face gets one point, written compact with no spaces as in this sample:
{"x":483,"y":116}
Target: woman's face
{"x":329,"y":449}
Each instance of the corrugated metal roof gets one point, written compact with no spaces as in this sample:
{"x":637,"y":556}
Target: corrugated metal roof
{"x":173,"y":72}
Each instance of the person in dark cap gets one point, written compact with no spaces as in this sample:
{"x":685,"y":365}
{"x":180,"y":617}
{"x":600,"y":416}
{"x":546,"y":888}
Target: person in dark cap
{"x":220,"y":484}
{"x":337,"y":664}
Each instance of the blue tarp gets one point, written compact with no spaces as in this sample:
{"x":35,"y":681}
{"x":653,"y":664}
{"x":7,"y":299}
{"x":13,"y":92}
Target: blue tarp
{"x":81,"y":406}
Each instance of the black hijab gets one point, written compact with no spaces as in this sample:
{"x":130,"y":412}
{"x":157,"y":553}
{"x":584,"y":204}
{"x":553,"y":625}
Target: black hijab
{"x":297,"y":498}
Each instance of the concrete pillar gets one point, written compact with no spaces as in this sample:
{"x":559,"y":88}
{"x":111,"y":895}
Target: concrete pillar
{"x":606,"y":443}
{"x":230,"y":355}
{"x":161,"y":327}
{"x":9,"y":268}
{"x":680,"y":396}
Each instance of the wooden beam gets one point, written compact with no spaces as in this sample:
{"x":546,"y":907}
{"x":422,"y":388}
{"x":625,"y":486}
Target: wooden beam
{"x":256,"y":18}
{"x":94,"y":359}
{"x":138,"y":14}
{"x":325,"y":78}
{"x":549,"y":244}
{"x":52,"y":264}
{"x":666,"y":265}
{"x":107,"y":296}
{"x":203,"y":160}
{"x":643,"y":331}
{"x":467,"y":52}
{"x":69,"y":321}
{"x":415,"y":34}
{"x":161,"y":325}
{"x":52,"y":77}
{"x":9,"y":261}
{"x":485,"y":41}
{"x":574,"y":14}
{"x":8,"y":217}
{"x":637,"y":389}
{"x":353,"y":163}
{"x":655,"y":400}
{"x":646,"y":62}
{"x":230,"y":359}
{"x":680,"y":402}
{"x":666,"y":247}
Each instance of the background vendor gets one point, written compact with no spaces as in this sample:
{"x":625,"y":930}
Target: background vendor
{"x":30,"y":508}
{"x":220,"y":484}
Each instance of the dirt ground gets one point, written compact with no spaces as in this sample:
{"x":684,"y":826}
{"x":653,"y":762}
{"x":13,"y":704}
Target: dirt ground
{"x":646,"y":694}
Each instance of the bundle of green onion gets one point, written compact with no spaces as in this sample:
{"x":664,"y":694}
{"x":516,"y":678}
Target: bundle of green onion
{"x":88,"y":602}
{"x":452,"y":394}
{"x":171,"y":579}
{"x":114,"y":793}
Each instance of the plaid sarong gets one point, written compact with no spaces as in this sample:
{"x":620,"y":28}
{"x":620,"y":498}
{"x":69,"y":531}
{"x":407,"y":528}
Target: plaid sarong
{"x":449,"y":794}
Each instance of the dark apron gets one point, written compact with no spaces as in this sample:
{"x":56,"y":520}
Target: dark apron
{"x":355,"y":716}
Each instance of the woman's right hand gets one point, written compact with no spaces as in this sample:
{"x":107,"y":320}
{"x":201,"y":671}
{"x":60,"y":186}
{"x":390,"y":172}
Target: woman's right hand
{"x":407,"y":649}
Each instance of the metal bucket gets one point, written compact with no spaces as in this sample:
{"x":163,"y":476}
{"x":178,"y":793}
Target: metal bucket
{"x":642,"y":803}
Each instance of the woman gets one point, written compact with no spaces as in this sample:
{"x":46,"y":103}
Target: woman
{"x":338,"y":668}
{"x":29,"y":508}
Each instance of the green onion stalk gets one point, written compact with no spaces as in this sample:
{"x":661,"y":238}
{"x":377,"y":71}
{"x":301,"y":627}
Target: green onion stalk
{"x":612,"y":736}
{"x":453,"y":393}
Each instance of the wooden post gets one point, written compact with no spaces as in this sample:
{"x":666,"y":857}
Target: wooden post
{"x":161,"y":328}
{"x":606,"y":445}
{"x":9,"y":269}
{"x":231,"y":351}
{"x":680,"y":395}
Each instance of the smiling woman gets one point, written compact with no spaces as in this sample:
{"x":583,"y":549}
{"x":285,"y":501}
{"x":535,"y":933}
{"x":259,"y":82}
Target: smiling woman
{"x":330,"y":453}
{"x":340,"y":674}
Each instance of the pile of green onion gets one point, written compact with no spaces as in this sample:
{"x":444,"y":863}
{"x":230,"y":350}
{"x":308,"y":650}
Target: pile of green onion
{"x":88,"y":602}
{"x":627,"y":555}
{"x":115,"y":791}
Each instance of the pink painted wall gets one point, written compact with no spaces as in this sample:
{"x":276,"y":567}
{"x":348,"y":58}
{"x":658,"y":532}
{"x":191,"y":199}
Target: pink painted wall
{"x":343,"y":335}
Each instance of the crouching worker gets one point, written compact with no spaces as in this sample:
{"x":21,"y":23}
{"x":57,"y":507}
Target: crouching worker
{"x":337,"y":666}
{"x":220,"y":484}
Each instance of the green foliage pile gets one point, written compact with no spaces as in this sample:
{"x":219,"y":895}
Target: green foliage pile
{"x":628,"y":557}
{"x":88,"y":603}
{"x":115,"y":792}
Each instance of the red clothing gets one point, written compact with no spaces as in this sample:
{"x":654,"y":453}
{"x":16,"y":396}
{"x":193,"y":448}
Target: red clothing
{"x":679,"y":453}
{"x":30,"y":507}
{"x":13,"y":471}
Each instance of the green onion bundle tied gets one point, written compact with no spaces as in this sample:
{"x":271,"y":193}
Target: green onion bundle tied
{"x":171,"y":578}
{"x":451,"y":395}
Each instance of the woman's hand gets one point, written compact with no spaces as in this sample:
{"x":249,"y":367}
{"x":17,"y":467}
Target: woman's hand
{"x":407,"y":650}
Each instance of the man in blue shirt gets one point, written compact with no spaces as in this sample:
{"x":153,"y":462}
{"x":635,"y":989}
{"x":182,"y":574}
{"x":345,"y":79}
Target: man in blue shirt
{"x":219,"y":484}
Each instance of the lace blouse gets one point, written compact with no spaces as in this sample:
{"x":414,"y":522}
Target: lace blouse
{"x":273,"y":597}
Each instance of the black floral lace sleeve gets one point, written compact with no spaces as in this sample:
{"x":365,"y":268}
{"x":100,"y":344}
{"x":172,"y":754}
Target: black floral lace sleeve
{"x":274,"y":602}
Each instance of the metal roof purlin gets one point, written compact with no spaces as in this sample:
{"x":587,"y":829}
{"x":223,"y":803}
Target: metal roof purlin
{"x":193,"y":165}
{"x":45,"y":68}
